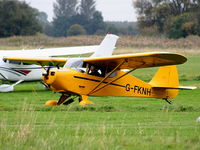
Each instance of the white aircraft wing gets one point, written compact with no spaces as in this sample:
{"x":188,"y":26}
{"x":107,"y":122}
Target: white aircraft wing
{"x":49,"y":51}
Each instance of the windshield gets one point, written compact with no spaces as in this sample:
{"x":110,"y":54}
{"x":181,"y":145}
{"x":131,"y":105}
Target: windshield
{"x":74,"y":63}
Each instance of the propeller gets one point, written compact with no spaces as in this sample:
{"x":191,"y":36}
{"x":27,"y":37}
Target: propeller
{"x":47,"y":72}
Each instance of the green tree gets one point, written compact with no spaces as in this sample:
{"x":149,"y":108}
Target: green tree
{"x":96,"y":23}
{"x":111,"y":28}
{"x":181,"y":26}
{"x":76,"y":29}
{"x":43,"y":20}
{"x":65,"y":8}
{"x":42,"y":17}
{"x":158,"y":13}
{"x":17,"y":18}
{"x":87,"y":8}
{"x":85,"y":16}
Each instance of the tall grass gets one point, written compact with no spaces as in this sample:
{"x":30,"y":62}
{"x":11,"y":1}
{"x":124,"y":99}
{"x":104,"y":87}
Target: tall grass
{"x":135,"y":42}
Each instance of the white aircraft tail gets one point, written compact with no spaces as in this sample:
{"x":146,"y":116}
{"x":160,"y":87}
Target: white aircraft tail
{"x":107,"y":46}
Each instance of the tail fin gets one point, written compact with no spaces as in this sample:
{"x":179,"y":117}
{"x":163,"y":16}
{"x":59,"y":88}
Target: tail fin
{"x":107,"y":46}
{"x":166,"y":77}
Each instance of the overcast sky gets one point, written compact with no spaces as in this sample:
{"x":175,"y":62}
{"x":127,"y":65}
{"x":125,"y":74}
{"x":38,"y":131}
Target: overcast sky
{"x":112,"y":10}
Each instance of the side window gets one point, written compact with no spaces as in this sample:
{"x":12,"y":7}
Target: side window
{"x":100,"y":72}
{"x":14,"y":62}
{"x":25,"y":63}
{"x":108,"y":71}
{"x":95,"y":71}
{"x":113,"y":74}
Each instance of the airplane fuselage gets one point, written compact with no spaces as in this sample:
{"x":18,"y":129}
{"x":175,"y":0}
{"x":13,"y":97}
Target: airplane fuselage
{"x":73,"y":81}
{"x":15,"y":71}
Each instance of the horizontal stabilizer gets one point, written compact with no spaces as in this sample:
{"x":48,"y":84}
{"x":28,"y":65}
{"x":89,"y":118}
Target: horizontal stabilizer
{"x":179,"y":88}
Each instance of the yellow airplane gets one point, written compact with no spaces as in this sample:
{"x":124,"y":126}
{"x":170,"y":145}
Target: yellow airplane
{"x":102,"y":75}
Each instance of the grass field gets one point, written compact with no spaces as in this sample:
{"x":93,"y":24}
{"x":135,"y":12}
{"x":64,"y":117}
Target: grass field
{"x":113,"y":123}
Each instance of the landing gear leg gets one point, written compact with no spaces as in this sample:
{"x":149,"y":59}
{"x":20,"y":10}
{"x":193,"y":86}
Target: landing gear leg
{"x":83,"y":101}
{"x":62,"y":99}
{"x":168,"y":101}
{"x":68,"y":102}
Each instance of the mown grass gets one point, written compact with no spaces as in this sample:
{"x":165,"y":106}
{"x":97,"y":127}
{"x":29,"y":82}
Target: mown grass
{"x":113,"y":122}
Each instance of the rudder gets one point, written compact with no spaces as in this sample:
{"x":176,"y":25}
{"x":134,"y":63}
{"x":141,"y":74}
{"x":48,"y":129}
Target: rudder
{"x":166,"y":78}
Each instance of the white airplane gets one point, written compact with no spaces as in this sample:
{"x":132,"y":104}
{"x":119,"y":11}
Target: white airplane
{"x":20,"y":72}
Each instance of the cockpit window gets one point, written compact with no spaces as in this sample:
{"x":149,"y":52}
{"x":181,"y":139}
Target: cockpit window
{"x":95,"y":71}
{"x":14,"y":62}
{"x":74,"y":63}
{"x":25,"y":63}
{"x":99,"y":71}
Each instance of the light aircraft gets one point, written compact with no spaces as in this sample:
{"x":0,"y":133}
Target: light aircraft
{"x":102,"y":75}
{"x":20,"y":72}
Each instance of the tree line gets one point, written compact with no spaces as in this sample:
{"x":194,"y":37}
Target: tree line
{"x":173,"y":18}
{"x":71,"y":17}
{"x":17,"y":18}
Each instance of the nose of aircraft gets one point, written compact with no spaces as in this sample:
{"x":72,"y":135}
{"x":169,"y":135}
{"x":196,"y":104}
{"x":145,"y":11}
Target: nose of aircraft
{"x":49,"y":78}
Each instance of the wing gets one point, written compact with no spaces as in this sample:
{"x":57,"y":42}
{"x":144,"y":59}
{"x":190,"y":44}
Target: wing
{"x":134,"y":61}
{"x":49,"y":51}
{"x":140,"y":60}
{"x":43,"y":61}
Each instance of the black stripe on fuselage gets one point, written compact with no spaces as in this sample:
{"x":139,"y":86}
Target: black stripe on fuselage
{"x":10,"y":71}
{"x":98,"y":81}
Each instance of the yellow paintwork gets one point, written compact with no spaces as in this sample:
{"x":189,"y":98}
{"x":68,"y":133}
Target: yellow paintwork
{"x":51,"y":103}
{"x":140,"y":60}
{"x":85,"y":101}
{"x":72,"y":81}
{"x":163,"y":85}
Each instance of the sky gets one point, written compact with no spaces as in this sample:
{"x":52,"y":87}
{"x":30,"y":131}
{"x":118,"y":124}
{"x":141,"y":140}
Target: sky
{"x":112,"y":10}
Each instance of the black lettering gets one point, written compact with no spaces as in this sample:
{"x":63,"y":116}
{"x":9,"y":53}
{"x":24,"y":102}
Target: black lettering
{"x":135,"y":88}
{"x":149,"y":92}
{"x":128,"y":87}
{"x":139,"y":90}
{"x":144,"y":91}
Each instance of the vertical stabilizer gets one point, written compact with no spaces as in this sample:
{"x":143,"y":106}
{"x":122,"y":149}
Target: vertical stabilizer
{"x":107,"y":46}
{"x":166,"y":77}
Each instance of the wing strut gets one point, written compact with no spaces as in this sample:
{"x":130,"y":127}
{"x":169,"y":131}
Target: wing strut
{"x":97,"y":89}
{"x":107,"y":76}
